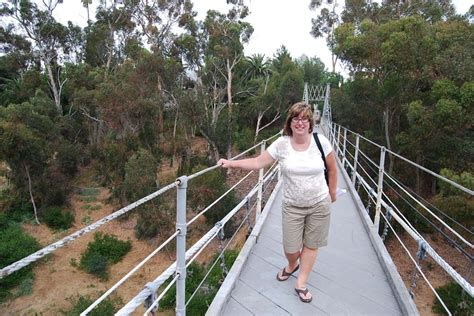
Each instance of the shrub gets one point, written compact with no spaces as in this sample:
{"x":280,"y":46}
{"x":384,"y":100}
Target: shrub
{"x":204,"y":296}
{"x":206,"y":189}
{"x":140,"y":175}
{"x":105,"y":249}
{"x":15,"y":245}
{"x":79,"y":304}
{"x":56,"y":219}
{"x":152,"y":219}
{"x":244,"y":139}
{"x":458,"y":302}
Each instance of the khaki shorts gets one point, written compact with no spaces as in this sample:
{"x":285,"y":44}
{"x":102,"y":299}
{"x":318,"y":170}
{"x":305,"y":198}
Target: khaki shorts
{"x":307,"y":226}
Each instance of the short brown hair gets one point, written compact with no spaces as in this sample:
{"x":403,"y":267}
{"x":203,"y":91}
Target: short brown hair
{"x":295,"y":111}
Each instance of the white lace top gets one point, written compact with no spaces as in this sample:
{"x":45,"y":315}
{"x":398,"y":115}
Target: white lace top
{"x":303,"y":171}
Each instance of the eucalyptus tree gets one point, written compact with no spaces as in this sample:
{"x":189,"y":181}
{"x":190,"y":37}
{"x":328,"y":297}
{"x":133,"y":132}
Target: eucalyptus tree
{"x":49,"y":38}
{"x":224,"y":36}
{"x":394,"y":46}
{"x":258,"y":69}
{"x":26,"y":134}
{"x":325,"y":23}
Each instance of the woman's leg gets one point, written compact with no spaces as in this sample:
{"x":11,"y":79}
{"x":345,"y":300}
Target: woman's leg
{"x":292,"y":260}
{"x":307,"y":260}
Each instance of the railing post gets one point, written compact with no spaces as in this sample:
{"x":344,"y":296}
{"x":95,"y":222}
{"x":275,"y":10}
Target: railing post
{"x":379,"y":189}
{"x":181,"y":245}
{"x":260,"y":184}
{"x":344,"y":149}
{"x":356,"y":157}
{"x":338,"y":137}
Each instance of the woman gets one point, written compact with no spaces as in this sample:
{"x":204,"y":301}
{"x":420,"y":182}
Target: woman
{"x":306,"y":196}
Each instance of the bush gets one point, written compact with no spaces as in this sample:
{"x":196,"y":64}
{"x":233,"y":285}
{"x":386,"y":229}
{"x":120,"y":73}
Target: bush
{"x":107,"y":307}
{"x":244,"y":139}
{"x":56,"y":219}
{"x":204,"y":296}
{"x":152,"y":219}
{"x":206,"y":189}
{"x":458,"y":302}
{"x":15,"y":245}
{"x":105,"y":249}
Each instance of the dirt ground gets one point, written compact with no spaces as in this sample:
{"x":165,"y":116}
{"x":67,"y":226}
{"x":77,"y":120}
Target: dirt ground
{"x":56,"y":279}
{"x":423,"y":295}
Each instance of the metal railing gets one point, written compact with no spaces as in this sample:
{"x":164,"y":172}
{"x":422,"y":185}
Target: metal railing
{"x":347,"y":146}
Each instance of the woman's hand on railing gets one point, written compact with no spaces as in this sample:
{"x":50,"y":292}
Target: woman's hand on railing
{"x":224,"y":163}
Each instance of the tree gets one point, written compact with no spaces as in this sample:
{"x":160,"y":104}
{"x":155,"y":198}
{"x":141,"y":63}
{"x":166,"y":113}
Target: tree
{"x":224,"y":36}
{"x":325,"y":24}
{"x":25,"y":137}
{"x":48,"y":36}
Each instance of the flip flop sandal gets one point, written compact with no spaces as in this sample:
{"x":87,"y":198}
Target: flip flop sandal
{"x":304,"y":292}
{"x":286,"y":275}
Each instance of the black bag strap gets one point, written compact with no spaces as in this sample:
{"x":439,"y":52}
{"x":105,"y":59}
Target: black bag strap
{"x":323,"y":156}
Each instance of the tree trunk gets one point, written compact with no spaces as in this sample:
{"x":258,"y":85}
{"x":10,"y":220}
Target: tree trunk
{"x":229,"y":115}
{"x":31,"y":194}
{"x":386,"y":123}
{"x":53,"y":85}
{"x":418,"y":178}
{"x":214,"y":150}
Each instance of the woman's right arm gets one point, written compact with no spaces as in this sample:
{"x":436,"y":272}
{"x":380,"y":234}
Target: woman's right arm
{"x":261,"y":161}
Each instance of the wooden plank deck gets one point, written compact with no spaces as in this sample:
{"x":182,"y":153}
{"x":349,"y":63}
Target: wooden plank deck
{"x":349,"y":277}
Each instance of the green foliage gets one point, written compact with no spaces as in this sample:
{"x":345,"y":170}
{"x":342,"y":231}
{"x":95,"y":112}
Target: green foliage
{"x":108,"y":307}
{"x":154,"y":219}
{"x":140,"y":175}
{"x":465,"y":179}
{"x":216,"y":277}
{"x":104,"y":250}
{"x":57,"y":219}
{"x":15,"y":245}
{"x":207,"y":188}
{"x":244,"y":138}
{"x":457,"y":301}
{"x":204,"y":296}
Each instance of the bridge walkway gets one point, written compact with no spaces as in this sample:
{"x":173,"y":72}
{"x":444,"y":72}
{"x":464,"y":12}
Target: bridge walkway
{"x":347,"y":279}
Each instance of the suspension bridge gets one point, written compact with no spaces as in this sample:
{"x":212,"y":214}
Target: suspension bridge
{"x":353,"y":275}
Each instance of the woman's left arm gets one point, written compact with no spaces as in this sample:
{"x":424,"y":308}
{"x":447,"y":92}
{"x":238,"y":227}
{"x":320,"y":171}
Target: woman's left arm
{"x":332,"y":175}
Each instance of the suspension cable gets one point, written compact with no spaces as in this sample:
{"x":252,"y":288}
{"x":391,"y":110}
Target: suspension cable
{"x":116,"y":285}
{"x":417,"y":237}
{"x":460,"y":187}
{"x":453,"y":242}
{"x":434,"y":207}
{"x":218,"y":199}
{"x":399,"y":185}
{"x":165,"y":290}
{"x":417,"y":266}
{"x":429,"y":211}
{"x":217,"y":258}
{"x":61,"y":243}
{"x":153,"y":286}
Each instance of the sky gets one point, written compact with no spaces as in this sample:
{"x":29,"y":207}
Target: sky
{"x":275,"y":22}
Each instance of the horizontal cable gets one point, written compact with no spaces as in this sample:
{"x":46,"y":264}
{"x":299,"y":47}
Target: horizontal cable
{"x":116,"y":285}
{"x":417,"y":266}
{"x":459,"y":247}
{"x":436,"y":257}
{"x":197,"y":174}
{"x":458,"y":186}
{"x":434,"y":207}
{"x":218,"y":257}
{"x":429,"y":211}
{"x":218,"y":199}
{"x":165,"y":290}
{"x":61,"y":243}
{"x":153,"y":286}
